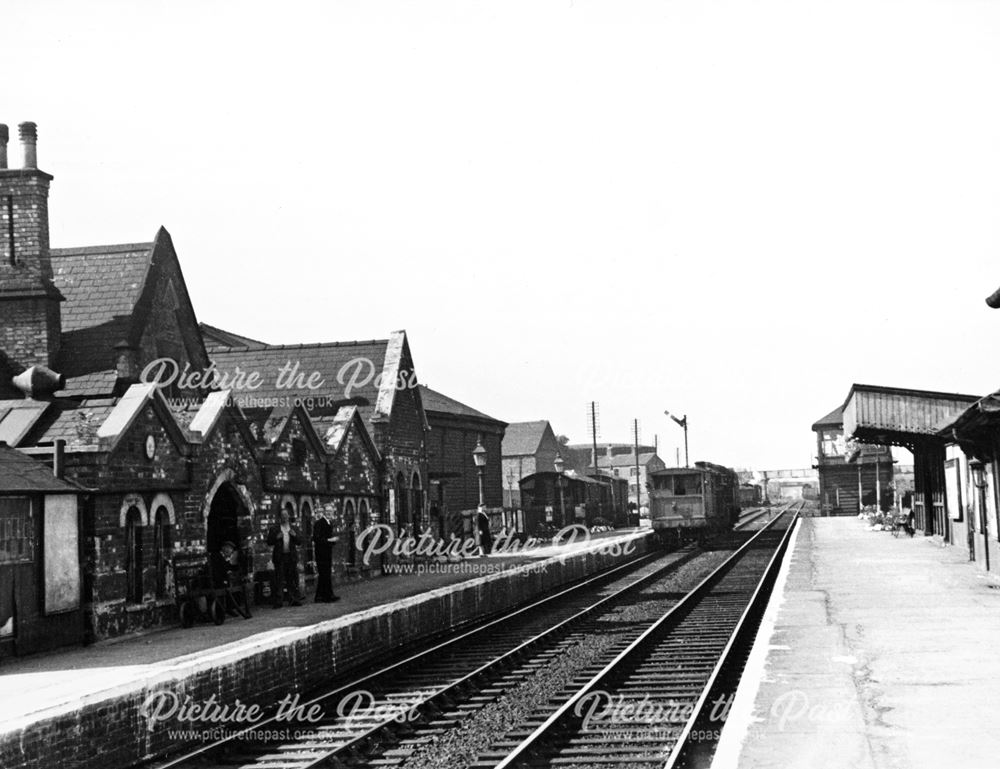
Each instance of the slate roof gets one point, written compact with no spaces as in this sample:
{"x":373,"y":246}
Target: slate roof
{"x":360,"y":362}
{"x":102,"y":285}
{"x":625,"y":460}
{"x":521,"y":439}
{"x":218,"y":337}
{"x":834,"y":419}
{"x":22,"y":474}
{"x":435,"y":401}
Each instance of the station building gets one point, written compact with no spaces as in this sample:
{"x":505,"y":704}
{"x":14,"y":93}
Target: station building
{"x":850,"y":476}
{"x":457,"y":432}
{"x":168,"y":467}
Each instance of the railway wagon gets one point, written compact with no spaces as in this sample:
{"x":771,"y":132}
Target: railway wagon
{"x":690,"y":501}
{"x":584,"y":500}
{"x":750,"y":495}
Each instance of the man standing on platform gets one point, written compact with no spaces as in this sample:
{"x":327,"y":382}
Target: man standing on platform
{"x":323,"y":542}
{"x":284,"y":542}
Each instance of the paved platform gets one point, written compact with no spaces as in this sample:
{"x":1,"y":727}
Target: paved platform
{"x":875,"y":652}
{"x":73,"y":693}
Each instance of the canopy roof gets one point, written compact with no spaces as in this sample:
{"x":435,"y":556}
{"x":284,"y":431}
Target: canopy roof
{"x":898,"y":416}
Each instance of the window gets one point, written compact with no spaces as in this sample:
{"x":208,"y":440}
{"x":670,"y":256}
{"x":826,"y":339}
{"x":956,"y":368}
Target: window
{"x":832,"y":443}
{"x":162,"y":546}
{"x":349,"y":531}
{"x":133,"y":555}
{"x":17,"y":530}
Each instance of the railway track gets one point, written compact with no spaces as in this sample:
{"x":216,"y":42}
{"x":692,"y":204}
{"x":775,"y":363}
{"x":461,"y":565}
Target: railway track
{"x":428,"y":691}
{"x":655,"y":703}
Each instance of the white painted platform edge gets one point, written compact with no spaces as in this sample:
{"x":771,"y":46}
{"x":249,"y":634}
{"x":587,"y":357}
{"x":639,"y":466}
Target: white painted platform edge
{"x":740,"y":717}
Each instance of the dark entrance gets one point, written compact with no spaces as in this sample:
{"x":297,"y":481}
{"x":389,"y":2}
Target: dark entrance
{"x":228,"y":519}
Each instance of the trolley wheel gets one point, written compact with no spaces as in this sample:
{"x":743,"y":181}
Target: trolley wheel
{"x":218,"y":612}
{"x":186,"y":611}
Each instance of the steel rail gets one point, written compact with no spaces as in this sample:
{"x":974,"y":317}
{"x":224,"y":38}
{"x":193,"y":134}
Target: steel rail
{"x":391,"y":720}
{"x":522,"y":754}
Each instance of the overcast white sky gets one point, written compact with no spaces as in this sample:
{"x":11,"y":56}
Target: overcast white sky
{"x":733,"y":210}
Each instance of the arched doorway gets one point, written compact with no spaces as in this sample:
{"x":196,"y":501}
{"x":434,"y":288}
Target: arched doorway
{"x":133,"y":555}
{"x":228,"y":519}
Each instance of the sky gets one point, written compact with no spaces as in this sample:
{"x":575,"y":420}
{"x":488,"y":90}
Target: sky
{"x":730,"y":210}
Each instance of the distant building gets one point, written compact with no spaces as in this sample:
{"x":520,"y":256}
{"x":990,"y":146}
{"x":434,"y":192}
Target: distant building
{"x":528,"y":448}
{"x":455,"y":431}
{"x":845,"y":487}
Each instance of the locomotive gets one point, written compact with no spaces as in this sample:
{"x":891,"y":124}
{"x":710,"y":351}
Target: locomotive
{"x":693,"y":502}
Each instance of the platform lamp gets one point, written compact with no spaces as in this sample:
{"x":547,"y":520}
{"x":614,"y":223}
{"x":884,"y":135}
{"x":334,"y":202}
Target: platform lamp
{"x":683,"y":422}
{"x":479,"y":457}
{"x":978,"y":470}
{"x":559,"y":465}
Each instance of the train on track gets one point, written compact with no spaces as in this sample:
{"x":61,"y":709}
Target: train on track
{"x":693,"y":502}
{"x":583,"y":499}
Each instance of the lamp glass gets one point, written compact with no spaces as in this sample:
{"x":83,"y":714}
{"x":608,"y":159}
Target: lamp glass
{"x":558,"y":463}
{"x":479,"y":455}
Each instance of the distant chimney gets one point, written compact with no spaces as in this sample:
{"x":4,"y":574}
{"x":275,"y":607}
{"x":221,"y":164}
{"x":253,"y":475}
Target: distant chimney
{"x":59,"y":459}
{"x":29,"y":138}
{"x":4,"y":138}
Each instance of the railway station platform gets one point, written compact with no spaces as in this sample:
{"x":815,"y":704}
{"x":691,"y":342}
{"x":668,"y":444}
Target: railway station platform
{"x":875,"y":652}
{"x":82,"y":707}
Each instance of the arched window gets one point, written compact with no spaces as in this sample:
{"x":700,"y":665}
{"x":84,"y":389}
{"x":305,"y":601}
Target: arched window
{"x":133,"y":555}
{"x":162,"y":548}
{"x":350,"y":533}
{"x":306,"y":531}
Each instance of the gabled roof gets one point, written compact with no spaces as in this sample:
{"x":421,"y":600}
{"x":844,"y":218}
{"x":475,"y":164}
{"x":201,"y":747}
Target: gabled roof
{"x":22,"y":474}
{"x":442,"y":404}
{"x":127,"y":410}
{"x":277,"y":423}
{"x":834,"y":419}
{"x":217,"y":337}
{"x":340,"y":427}
{"x":109,"y":293}
{"x":363,"y":374}
{"x":522,"y":439}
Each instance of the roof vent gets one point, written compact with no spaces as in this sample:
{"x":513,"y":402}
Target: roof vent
{"x":39,"y":380}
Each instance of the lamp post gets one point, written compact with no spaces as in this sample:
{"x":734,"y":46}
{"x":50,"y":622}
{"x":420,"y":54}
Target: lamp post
{"x":979,"y":481}
{"x":559,"y":465}
{"x":683,"y":422}
{"x":479,"y":457}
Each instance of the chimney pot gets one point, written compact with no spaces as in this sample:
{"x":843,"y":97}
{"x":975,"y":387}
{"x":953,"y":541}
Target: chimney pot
{"x":59,"y":459}
{"x":29,"y":138}
{"x":4,"y":138}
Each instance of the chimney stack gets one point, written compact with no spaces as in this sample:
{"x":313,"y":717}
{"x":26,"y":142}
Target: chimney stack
{"x":59,"y":459}
{"x":4,"y":138}
{"x":29,"y":137}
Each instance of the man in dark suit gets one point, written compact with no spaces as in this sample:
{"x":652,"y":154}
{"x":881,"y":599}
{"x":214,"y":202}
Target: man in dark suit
{"x":323,"y":541}
{"x":284,"y":541}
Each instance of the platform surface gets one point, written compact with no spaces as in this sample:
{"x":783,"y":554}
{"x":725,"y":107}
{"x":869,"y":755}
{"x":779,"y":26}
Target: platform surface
{"x":875,"y":653}
{"x":33,"y":686}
